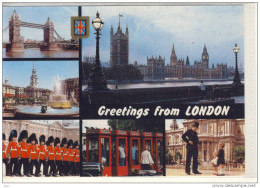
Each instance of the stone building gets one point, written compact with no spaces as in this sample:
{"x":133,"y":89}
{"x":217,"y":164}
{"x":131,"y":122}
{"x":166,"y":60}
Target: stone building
{"x":210,"y":133}
{"x":71,"y":88}
{"x":119,"y":47}
{"x":48,"y":128}
{"x":8,"y":90}
{"x":155,"y":68}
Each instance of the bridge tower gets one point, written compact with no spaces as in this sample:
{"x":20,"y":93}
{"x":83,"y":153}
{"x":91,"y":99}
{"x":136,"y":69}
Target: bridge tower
{"x":15,"y":38}
{"x":48,"y":34}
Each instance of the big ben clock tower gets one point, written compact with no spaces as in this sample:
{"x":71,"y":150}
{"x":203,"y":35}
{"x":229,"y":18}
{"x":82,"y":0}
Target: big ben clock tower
{"x":205,"y":57}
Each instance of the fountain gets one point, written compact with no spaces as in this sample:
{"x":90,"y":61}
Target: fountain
{"x":57,"y":100}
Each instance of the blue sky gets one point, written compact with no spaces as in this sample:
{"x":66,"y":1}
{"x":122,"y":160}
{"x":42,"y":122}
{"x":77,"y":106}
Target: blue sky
{"x":59,"y":15}
{"x":154,"y":29}
{"x":19,"y":72}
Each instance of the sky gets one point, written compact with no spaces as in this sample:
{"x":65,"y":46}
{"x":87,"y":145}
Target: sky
{"x":100,"y":124}
{"x":19,"y":72}
{"x":168,"y":122}
{"x":154,"y":29}
{"x":59,"y":15}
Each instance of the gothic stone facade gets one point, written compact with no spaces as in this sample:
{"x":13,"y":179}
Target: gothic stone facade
{"x":210,"y":132}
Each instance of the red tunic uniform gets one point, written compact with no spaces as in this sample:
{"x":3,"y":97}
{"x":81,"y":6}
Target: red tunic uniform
{"x":33,"y":152}
{"x":65,"y":154}
{"x":13,"y":149}
{"x":23,"y":150}
{"x":58,"y":153}
{"x":71,"y":155}
{"x":42,"y":152}
{"x":4,"y":151}
{"x":51,"y":155}
{"x":77,"y":155}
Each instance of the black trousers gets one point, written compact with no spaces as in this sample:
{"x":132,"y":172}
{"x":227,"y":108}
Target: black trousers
{"x":59,"y":167}
{"x":43,"y":162}
{"x":14,"y":166}
{"x":52,"y":165}
{"x":146,"y":167}
{"x":77,"y":165}
{"x":72,"y":168}
{"x":25,"y":163}
{"x":192,"y":152}
{"x":34,"y":163}
{"x":5,"y":161}
{"x":65,"y":167}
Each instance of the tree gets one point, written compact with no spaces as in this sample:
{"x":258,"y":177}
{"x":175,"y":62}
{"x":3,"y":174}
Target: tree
{"x":177,"y":156}
{"x":168,"y":157}
{"x":239,"y":154}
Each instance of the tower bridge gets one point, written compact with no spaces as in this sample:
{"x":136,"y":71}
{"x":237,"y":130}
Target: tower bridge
{"x":16,"y":41}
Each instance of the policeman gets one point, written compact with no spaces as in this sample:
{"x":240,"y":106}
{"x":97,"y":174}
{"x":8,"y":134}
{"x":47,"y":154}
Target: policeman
{"x":58,"y":156}
{"x":13,"y":152}
{"x":71,"y":157}
{"x":23,"y":153}
{"x":77,"y":153}
{"x":42,"y":154}
{"x":5,"y":160}
{"x":50,"y":157}
{"x":192,"y":140}
{"x":65,"y":157}
{"x":33,"y":155}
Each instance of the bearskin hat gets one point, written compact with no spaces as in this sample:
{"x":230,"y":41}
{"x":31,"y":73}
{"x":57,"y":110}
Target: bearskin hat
{"x":63,"y":141}
{"x":28,"y":141}
{"x":51,"y":139}
{"x":33,"y":138}
{"x":23,"y":134}
{"x":70,"y":143}
{"x":13,"y":133}
{"x":75,"y":144}
{"x":57,"y":141}
{"x":4,"y":137}
{"x":42,"y":139}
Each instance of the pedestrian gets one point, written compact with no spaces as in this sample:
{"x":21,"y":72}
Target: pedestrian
{"x":23,"y":154}
{"x":65,"y":157}
{"x":50,"y":157}
{"x":42,"y":154}
{"x":192,"y":140}
{"x":58,"y":156}
{"x":13,"y":152}
{"x":5,"y":159}
{"x":146,"y":159}
{"x":121,"y":156}
{"x":33,"y":155}
{"x":214,"y":162}
{"x":221,"y":160}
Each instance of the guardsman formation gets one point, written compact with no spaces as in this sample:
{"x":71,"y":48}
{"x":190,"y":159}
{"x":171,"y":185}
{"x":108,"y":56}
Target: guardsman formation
{"x":25,"y":157}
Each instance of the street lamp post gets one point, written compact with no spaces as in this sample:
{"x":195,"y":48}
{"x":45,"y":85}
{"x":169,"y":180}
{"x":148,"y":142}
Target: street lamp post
{"x":236,"y":79}
{"x":97,"y":80}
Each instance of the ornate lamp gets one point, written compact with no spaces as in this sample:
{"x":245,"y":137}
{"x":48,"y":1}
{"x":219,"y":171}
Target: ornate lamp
{"x":236,"y":79}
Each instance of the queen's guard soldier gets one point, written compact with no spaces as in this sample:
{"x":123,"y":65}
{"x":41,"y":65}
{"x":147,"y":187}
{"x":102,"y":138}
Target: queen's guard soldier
{"x":33,"y":155}
{"x":77,"y":153}
{"x":42,"y":154}
{"x":71,"y":157}
{"x":51,"y":163}
{"x":5,"y":160}
{"x":13,"y":152}
{"x":23,"y":153}
{"x":65,"y":157}
{"x":58,"y":156}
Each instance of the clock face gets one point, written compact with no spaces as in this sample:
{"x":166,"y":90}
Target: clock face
{"x":203,"y":57}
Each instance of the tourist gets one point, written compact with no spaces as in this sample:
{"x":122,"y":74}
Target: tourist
{"x":65,"y":157}
{"x":5,"y":160}
{"x":104,"y":154}
{"x":214,"y":162}
{"x":146,"y":159}
{"x":58,"y":156}
{"x":23,"y":153}
{"x":13,"y":151}
{"x":33,"y":155}
{"x":221,"y":160}
{"x":42,"y":154}
{"x":192,"y":140}
{"x":121,"y":156}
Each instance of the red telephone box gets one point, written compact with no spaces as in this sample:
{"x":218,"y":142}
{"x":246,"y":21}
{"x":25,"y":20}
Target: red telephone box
{"x":134,"y":150}
{"x":158,"y":151}
{"x":148,"y":142}
{"x":120,"y":153}
{"x":98,"y":148}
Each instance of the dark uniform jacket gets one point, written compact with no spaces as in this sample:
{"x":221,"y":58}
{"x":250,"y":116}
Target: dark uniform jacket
{"x":190,"y":135}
